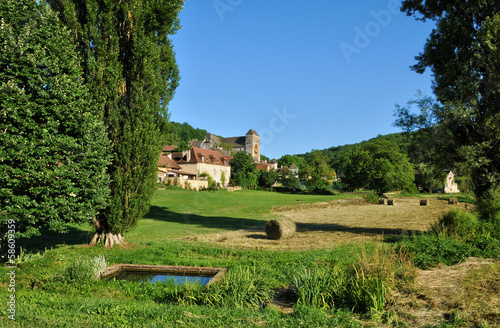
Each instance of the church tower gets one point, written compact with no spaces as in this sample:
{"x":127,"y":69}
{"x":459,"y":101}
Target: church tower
{"x":252,"y":144}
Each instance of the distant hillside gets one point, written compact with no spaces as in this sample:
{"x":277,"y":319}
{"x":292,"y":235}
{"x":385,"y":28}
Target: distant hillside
{"x":409,"y":143}
{"x":180,"y":134}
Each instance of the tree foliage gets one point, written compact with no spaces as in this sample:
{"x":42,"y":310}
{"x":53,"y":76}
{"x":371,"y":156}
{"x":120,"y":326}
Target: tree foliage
{"x":53,"y":149}
{"x":378,"y":165}
{"x":267,"y":178}
{"x":288,"y":160}
{"x":129,"y":65}
{"x":181,"y":134}
{"x":288,"y":180}
{"x":244,"y":170}
{"x":315,"y":171}
{"x":463,"y":52}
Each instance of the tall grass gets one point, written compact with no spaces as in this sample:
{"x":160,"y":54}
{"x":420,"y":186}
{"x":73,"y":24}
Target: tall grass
{"x":456,"y":236}
{"x":320,"y":286}
{"x":365,"y":287}
{"x":241,"y":287}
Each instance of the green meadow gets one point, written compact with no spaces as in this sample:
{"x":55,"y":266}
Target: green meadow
{"x":351,"y":285}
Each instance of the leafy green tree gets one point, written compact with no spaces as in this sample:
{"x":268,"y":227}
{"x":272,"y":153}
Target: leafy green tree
{"x":182,"y":134}
{"x":223,"y":179}
{"x":429,"y":177}
{"x":288,"y":179}
{"x":267,"y":178}
{"x":129,"y":64}
{"x":379,"y":165}
{"x":244,"y":170}
{"x":463,"y":52}
{"x":354,"y":167}
{"x":316,"y":172}
{"x":288,"y":160}
{"x":53,"y":150}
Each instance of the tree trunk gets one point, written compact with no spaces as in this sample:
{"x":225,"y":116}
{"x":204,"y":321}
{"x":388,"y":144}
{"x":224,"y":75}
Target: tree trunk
{"x":104,"y":235}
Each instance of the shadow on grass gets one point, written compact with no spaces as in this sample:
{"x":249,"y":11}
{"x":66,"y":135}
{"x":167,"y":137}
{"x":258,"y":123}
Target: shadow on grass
{"x":216,"y":222}
{"x":306,"y":227}
{"x":50,"y":239}
{"x":232,"y":224}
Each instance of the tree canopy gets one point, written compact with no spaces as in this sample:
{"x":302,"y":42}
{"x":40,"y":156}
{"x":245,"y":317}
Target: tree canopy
{"x":53,"y":150}
{"x":378,"y":165}
{"x":129,"y":64}
{"x":244,"y":170}
{"x":463,"y":52}
{"x":315,"y":171}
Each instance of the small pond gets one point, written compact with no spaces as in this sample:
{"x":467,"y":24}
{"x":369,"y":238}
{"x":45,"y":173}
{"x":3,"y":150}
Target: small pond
{"x":163,"y":273}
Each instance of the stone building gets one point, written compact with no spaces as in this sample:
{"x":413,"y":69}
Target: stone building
{"x":198,"y":160}
{"x":450,"y":185}
{"x":249,"y":143}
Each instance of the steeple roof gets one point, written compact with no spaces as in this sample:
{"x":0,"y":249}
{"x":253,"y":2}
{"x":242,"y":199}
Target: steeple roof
{"x":252,"y":132}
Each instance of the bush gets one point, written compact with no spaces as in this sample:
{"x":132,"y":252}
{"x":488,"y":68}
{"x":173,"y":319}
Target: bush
{"x":456,"y":223}
{"x":429,"y":250}
{"x":84,"y":269}
{"x":371,"y":198}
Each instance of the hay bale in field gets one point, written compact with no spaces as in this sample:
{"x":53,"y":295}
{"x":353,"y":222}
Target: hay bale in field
{"x":280,"y":229}
{"x":390,"y":202}
{"x":453,"y":201}
{"x":382,"y":201}
{"x":424,"y":202}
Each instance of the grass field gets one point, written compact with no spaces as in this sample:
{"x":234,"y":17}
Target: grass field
{"x":342,"y":269}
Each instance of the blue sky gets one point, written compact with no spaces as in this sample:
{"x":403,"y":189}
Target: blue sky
{"x":304,"y":74}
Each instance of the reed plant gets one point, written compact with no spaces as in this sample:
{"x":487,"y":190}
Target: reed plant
{"x":365,"y":287}
{"x":242,"y":287}
{"x":320,"y":286}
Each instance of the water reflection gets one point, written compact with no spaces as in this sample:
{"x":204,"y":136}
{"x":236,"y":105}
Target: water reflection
{"x":164,"y":277}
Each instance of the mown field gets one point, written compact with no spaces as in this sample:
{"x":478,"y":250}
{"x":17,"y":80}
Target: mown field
{"x":351,"y":264}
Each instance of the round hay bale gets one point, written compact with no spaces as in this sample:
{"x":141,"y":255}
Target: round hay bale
{"x":424,"y":202}
{"x":280,"y":229}
{"x":382,"y":201}
{"x":390,"y":202}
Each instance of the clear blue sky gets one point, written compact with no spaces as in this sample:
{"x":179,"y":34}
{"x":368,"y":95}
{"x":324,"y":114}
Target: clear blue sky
{"x":304,"y":74}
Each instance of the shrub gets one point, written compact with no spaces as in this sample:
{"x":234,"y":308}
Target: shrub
{"x":429,"y":250}
{"x":84,"y":269}
{"x":456,"y":223}
{"x":371,"y":198}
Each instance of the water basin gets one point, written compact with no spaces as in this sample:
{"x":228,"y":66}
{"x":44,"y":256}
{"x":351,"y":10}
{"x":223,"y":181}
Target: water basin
{"x":163,"y":273}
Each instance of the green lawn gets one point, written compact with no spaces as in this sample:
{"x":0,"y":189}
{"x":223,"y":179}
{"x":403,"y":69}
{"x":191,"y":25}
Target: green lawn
{"x":178,"y":213}
{"x":47,"y":295}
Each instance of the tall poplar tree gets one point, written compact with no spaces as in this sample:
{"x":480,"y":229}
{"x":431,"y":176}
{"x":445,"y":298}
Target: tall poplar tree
{"x":53,"y":148}
{"x":130,"y":68}
{"x":463,"y":53}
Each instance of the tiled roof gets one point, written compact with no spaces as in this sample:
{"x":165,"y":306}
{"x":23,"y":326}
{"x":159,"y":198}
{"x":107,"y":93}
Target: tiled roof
{"x":265,"y":166}
{"x":166,"y":161}
{"x":234,"y":141}
{"x":200,"y":155}
{"x":169,"y":148}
